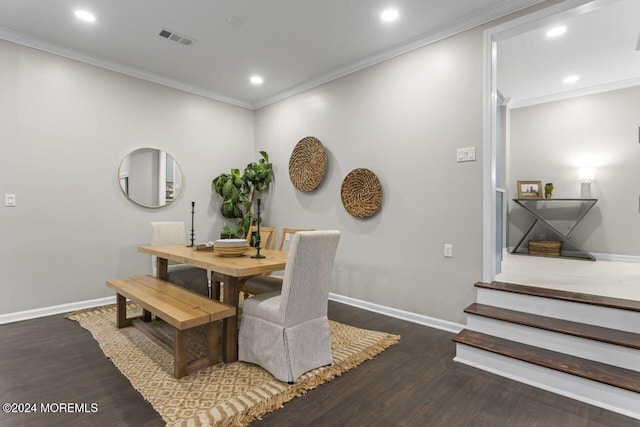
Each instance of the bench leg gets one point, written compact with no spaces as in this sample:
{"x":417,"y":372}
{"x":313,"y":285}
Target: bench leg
{"x":121,"y":311}
{"x":180,"y":353}
{"x":211,"y":331}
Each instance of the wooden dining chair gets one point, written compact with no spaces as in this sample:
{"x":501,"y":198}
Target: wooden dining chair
{"x":271,"y":282}
{"x":267,"y":236}
{"x":267,"y":241}
{"x":286,"y":235}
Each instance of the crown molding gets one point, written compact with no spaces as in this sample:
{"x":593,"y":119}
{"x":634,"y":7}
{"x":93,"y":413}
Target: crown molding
{"x":625,"y":84}
{"x":46,"y":46}
{"x":484,"y":16}
{"x":480,"y":18}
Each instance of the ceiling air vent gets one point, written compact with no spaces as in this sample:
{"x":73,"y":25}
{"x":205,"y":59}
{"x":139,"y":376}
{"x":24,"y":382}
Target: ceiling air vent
{"x":168,"y":34}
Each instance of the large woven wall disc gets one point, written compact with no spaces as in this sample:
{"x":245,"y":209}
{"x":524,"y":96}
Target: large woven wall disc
{"x":361,"y":193}
{"x":307,"y":164}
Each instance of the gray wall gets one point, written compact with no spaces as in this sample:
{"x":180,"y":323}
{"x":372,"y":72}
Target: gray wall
{"x":549,"y":142}
{"x":65,"y":127}
{"x":69,"y":124}
{"x":404,"y":120}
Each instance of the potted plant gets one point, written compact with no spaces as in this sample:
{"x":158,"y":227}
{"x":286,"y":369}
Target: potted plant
{"x":228,"y":232}
{"x":548,"y":190}
{"x":239,"y":191}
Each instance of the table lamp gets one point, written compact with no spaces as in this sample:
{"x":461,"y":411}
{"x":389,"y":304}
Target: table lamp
{"x":586,"y":175}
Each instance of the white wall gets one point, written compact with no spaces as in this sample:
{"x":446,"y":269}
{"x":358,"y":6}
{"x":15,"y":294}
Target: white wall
{"x":550,"y":141}
{"x":65,"y":126}
{"x":404,"y":120}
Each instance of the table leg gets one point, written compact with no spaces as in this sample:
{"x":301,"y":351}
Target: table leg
{"x":162,"y":268}
{"x":162,"y":273}
{"x":524,"y":236}
{"x":231,"y":291}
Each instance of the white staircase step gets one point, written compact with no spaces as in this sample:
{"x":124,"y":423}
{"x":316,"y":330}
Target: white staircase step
{"x":582,"y":346}
{"x":594,"y":393}
{"x":591,"y":314}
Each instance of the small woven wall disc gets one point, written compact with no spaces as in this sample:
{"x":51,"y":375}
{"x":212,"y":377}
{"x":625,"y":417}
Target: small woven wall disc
{"x":361,"y":193}
{"x":307,"y":164}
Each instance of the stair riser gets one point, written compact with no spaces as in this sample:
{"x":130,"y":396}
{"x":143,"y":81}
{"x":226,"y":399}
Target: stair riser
{"x":610,"y":354}
{"x":611,"y":398}
{"x":623,"y":320}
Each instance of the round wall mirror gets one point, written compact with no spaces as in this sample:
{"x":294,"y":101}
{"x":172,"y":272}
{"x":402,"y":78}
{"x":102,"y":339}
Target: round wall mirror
{"x":150,"y":177}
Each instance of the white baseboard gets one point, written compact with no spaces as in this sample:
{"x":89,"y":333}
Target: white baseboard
{"x":420,"y":319}
{"x":56,"y":309}
{"x":388,"y":311}
{"x":601,"y":256}
{"x":615,"y":257}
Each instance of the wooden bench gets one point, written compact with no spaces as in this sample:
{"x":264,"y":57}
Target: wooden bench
{"x":177,"y":306}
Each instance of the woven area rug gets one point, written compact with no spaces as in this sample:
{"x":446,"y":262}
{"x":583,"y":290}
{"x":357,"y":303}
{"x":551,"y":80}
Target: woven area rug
{"x":231,"y":394}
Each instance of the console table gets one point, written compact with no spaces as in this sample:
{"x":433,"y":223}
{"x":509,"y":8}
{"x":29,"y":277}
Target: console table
{"x":539,"y":207}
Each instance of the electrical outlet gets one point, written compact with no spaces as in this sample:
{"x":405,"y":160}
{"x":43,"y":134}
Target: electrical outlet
{"x":10,"y":200}
{"x":448,"y":250}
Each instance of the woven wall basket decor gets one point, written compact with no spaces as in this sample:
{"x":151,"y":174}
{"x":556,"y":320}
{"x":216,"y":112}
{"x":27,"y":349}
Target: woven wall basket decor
{"x":307,"y":164}
{"x":361,"y":193}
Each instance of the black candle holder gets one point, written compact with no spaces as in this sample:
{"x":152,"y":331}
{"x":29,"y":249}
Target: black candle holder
{"x":193,"y":205}
{"x":257,"y":240}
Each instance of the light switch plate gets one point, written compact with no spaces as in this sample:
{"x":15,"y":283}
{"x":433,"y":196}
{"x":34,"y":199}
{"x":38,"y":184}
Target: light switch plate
{"x":466,"y":154}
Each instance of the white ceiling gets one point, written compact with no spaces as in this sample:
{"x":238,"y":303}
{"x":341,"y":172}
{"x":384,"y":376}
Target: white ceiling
{"x":297,"y":44}
{"x":293,"y":44}
{"x":601,"y":46}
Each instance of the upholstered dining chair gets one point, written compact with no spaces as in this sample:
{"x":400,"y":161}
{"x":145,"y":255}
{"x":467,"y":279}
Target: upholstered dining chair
{"x":271,"y":282}
{"x":287,"y":332}
{"x":193,"y":278}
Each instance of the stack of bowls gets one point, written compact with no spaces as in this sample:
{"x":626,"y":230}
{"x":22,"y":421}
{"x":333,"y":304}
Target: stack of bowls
{"x":230,"y":247}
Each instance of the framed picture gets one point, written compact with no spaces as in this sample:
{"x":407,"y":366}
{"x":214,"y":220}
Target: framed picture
{"x":529,"y":189}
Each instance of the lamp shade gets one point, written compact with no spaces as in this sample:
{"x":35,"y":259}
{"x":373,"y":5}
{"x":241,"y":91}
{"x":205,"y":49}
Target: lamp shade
{"x":586,"y":174}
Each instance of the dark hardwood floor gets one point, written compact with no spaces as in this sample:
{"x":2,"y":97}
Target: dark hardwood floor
{"x":414,"y":383}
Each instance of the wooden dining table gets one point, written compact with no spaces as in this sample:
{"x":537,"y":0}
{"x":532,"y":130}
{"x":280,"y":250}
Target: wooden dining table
{"x":234,"y":270}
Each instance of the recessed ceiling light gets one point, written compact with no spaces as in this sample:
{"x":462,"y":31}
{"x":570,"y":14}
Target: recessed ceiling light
{"x":556,"y":31}
{"x":256,"y":80}
{"x":389,"y":15}
{"x":571,"y":79}
{"x":85,"y":16}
